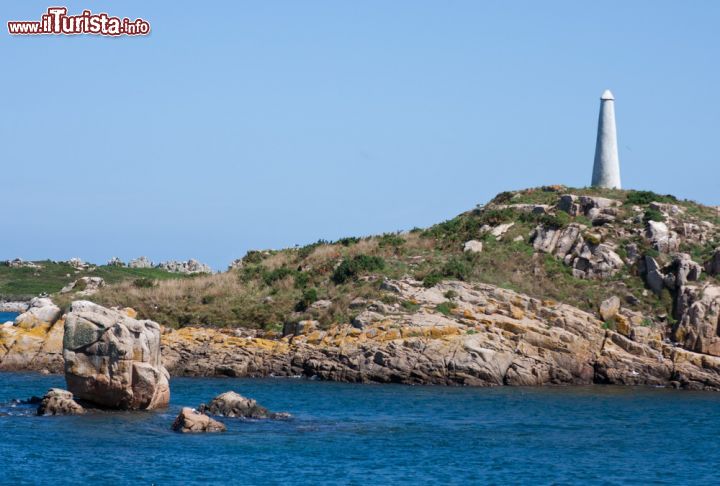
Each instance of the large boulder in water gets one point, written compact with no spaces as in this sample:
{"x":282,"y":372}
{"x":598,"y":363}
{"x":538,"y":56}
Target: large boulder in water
{"x":231,"y":404}
{"x":190,"y":420}
{"x":113,"y":360}
{"x":59,"y":402}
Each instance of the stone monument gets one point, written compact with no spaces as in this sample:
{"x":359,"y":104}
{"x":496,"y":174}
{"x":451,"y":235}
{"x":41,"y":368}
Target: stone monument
{"x":606,"y":171}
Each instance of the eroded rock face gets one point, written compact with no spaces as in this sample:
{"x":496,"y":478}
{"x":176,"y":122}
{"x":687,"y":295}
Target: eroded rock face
{"x":598,"y":209}
{"x":231,"y":404}
{"x":661,"y":238}
{"x":699,"y":328}
{"x":190,"y":421}
{"x":114,"y":360}
{"x":42,"y":310}
{"x":587,"y":259}
{"x":59,"y":402}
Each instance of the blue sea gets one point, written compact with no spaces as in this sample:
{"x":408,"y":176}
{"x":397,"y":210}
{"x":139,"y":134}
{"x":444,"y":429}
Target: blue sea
{"x":7,"y":316}
{"x":373,"y":434}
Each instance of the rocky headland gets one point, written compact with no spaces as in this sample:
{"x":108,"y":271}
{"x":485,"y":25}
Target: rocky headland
{"x":541,"y":287}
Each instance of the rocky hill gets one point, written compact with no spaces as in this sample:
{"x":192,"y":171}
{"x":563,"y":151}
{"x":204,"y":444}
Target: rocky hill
{"x":546,"y":285}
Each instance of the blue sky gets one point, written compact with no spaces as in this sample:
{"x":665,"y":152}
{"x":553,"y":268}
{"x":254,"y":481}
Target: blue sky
{"x":239,"y":125}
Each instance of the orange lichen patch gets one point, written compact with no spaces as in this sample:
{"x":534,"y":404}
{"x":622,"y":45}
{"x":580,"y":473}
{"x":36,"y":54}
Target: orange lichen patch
{"x":516,"y":313}
{"x":315,"y":337}
{"x":622,"y":324}
{"x":549,"y":303}
{"x":467,"y":314}
{"x":267,"y":344}
{"x":438,"y":332}
{"x":130,"y":312}
{"x":390,"y":335}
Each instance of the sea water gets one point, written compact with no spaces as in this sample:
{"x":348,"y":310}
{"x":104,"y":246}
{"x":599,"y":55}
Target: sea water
{"x":373,"y":434}
{"x":7,"y":316}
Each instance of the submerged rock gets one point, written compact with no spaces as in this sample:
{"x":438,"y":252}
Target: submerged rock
{"x":190,"y":420}
{"x":59,"y":402}
{"x":113,"y":360}
{"x":231,"y":404}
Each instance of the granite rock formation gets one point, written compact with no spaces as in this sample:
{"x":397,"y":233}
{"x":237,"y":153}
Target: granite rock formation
{"x":191,"y":421}
{"x":113,"y":360}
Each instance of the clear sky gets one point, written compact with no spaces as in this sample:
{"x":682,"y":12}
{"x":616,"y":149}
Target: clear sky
{"x":239,"y":125}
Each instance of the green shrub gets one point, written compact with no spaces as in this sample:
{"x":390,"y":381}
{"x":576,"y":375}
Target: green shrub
{"x":390,"y":239}
{"x":445,"y":308}
{"x":254,"y":256}
{"x":652,"y":252}
{"x":592,"y":238}
{"x":351,"y":268}
{"x":309,"y":296}
{"x":304,"y":251}
{"x":503,"y":197}
{"x":348,"y":241}
{"x":450,"y":294}
{"x":646,"y":197}
{"x":144,"y":283}
{"x":301,"y":279}
{"x":653,"y":215}
{"x":494,"y":217}
{"x":458,"y":267}
{"x":410,"y":306}
{"x":432,"y":279}
{"x":272,"y":276}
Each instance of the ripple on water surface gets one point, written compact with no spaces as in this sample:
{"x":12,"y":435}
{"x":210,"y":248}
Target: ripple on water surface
{"x":345,"y":433}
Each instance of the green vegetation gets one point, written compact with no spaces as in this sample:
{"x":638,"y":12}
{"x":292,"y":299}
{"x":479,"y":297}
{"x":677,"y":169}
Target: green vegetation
{"x":641,"y":198}
{"x":351,"y":268}
{"x":273,"y":287}
{"x":24,"y":283}
{"x":446,"y":308}
{"x":653,"y":215}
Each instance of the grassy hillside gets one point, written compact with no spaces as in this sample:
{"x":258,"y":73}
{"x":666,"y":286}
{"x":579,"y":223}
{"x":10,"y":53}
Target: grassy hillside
{"x":273,"y":287}
{"x":50,"y":277}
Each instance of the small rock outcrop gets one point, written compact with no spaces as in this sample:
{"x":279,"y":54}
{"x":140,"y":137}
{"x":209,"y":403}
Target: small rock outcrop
{"x":113,"y":360}
{"x":598,"y":209}
{"x":661,"y":238}
{"x":78,"y":263}
{"x":712,"y":266}
{"x":41,"y":310}
{"x":189,"y":267}
{"x":473,"y":246}
{"x":59,"y":402}
{"x":609,"y":308}
{"x":18,"y":307}
{"x":231,"y":404}
{"x":190,"y":421}
{"x":20,"y":263}
{"x":141,"y":262}
{"x":115,"y":262}
{"x":84,"y":286}
{"x":588,"y":259}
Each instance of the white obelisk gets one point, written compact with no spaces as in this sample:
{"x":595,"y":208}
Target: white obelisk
{"x":606,"y":171}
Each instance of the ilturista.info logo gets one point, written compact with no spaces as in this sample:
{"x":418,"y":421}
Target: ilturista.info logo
{"x":56,"y":21}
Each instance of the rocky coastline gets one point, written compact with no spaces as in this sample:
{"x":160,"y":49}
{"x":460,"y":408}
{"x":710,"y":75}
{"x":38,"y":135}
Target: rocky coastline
{"x":489,"y":336}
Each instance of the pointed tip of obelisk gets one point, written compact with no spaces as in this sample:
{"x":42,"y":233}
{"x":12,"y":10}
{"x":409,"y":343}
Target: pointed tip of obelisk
{"x":607,"y":95}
